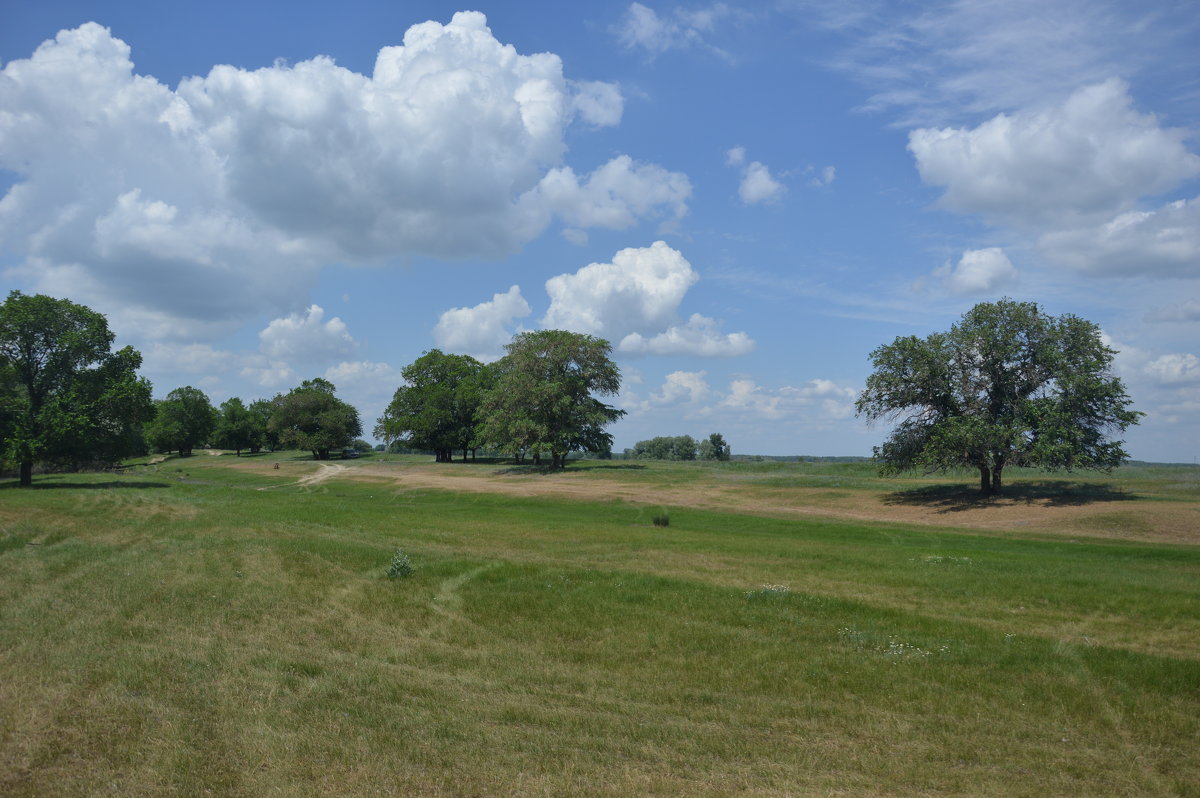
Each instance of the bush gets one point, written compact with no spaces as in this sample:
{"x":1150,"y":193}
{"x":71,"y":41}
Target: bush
{"x":661,"y":518}
{"x":401,"y":566}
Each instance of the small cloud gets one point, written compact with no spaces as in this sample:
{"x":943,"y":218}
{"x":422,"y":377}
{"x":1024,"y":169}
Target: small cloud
{"x":682,"y":386}
{"x":978,"y":271}
{"x":576,"y":236}
{"x":735,"y":156}
{"x":825,"y":178}
{"x":759,"y":186}
{"x":700,"y":337}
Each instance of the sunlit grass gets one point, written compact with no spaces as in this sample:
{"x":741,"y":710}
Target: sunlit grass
{"x":177,"y":629}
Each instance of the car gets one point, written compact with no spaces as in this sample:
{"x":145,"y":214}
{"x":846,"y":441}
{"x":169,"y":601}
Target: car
{"x":349,"y":454}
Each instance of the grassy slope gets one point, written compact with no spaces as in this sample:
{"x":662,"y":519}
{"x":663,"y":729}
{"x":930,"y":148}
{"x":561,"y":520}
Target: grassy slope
{"x":176,"y":630}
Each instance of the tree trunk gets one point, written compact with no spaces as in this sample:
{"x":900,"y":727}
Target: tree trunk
{"x":996,"y":484}
{"x":985,"y":482}
{"x":26,"y":473}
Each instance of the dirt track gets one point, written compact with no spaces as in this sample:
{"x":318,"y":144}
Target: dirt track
{"x":1118,"y":517}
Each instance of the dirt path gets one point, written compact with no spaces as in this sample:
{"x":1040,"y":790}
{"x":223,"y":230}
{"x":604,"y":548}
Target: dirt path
{"x":324,"y":473}
{"x":1159,"y":521}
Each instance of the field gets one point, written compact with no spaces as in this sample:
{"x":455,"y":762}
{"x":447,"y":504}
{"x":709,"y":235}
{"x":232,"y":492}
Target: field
{"x":220,"y":626}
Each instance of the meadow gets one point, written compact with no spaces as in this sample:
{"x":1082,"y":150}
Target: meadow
{"x":219,"y":626}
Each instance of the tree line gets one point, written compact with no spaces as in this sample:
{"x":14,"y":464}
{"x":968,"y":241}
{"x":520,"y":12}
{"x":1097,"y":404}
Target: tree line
{"x":1009,"y":385}
{"x":309,"y":417}
{"x":681,"y":447}
{"x":67,"y":401}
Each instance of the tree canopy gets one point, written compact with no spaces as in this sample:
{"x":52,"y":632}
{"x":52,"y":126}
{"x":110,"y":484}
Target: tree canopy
{"x":238,"y":427}
{"x":436,"y":409}
{"x":65,"y":398}
{"x":714,"y":447}
{"x":680,"y":447}
{"x":311,"y":417}
{"x":541,"y":397}
{"x":184,"y":420}
{"x":1007,"y":385}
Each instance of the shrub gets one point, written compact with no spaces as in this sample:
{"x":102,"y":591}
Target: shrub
{"x":401,"y":566}
{"x":661,"y":518}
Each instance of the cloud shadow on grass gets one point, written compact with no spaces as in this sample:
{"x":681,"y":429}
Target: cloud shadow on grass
{"x":1051,"y":493}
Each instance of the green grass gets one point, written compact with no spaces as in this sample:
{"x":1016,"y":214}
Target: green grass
{"x":174,"y":630}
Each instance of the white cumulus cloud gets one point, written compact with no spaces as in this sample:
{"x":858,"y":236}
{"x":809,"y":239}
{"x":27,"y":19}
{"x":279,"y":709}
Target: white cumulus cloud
{"x":758,"y":185}
{"x":187,"y":208}
{"x":639,"y":291}
{"x":682,"y":386}
{"x":634,"y":301}
{"x":616,"y":195}
{"x":978,"y":271}
{"x":699,"y":337}
{"x":1085,"y":160}
{"x":832,"y":401}
{"x":483,"y":330}
{"x":306,"y":337}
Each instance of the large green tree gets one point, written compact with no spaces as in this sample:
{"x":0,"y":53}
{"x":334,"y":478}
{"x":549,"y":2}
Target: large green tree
{"x":238,"y":428}
{"x":65,"y":398}
{"x":184,"y":420}
{"x":1008,"y":385}
{"x":436,"y":407}
{"x":311,"y":417}
{"x":541,"y":397}
{"x":261,"y":410}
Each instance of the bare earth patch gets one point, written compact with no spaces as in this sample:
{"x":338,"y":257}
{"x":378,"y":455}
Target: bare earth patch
{"x":1115,"y":516}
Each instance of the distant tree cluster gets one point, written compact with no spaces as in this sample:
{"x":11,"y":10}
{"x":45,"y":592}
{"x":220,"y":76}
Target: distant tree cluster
{"x":308,"y":417}
{"x":537,"y":401}
{"x":682,"y":447}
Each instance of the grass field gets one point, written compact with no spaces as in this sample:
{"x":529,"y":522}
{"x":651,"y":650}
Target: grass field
{"x":217,"y":626}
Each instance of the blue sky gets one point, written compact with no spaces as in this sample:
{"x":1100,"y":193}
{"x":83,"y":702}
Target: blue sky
{"x":746,"y":199}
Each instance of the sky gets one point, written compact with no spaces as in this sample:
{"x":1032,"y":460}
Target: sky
{"x":744,"y":199}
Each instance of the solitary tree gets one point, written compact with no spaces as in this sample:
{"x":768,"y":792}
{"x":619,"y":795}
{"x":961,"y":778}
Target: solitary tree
{"x":436,"y":409}
{"x":311,"y":417}
{"x":541,"y":398}
{"x":64,"y":397}
{"x":1007,"y":385}
{"x":184,"y":420}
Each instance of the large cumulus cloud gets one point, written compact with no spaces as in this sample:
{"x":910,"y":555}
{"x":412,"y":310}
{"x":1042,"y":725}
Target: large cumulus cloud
{"x":229,"y":192}
{"x":1085,"y":160}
